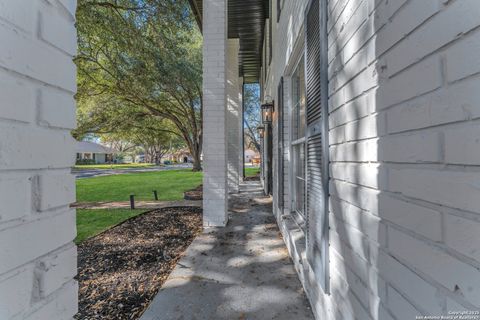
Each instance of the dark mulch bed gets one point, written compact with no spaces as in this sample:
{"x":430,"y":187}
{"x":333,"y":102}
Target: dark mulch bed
{"x":194,"y":194}
{"x":121,"y":270}
{"x":253,"y":178}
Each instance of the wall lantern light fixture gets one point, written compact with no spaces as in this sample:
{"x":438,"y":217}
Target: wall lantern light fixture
{"x":261,"y":131}
{"x":267,"y":110}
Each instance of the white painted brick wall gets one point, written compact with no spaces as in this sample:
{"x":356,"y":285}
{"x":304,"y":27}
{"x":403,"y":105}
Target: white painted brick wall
{"x":38,"y":238}
{"x":13,"y":292}
{"x":32,"y":147}
{"x":461,"y":234}
{"x":15,"y":195}
{"x":404,"y":81}
{"x":37,"y":112}
{"x":18,"y":98}
{"x":462,"y":144}
{"x":57,"y":269}
{"x":400,"y":307}
{"x":455,"y":189}
{"x":70,"y":5}
{"x":422,"y":220}
{"x":452,"y":103}
{"x":441,"y":30}
{"x":461,"y":58}
{"x":234,"y":117}
{"x":411,"y":148}
{"x":425,"y":77}
{"x":57,"y":109}
{"x":19,"y":13}
{"x":35,"y":59}
{"x":409,"y":283}
{"x":58,"y":30}
{"x":58,"y":307}
{"x":436,"y":264}
{"x":215,"y":145}
{"x":55,"y":190}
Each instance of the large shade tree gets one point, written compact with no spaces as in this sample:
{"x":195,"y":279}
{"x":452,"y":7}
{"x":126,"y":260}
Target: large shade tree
{"x":140,"y":59}
{"x":251,"y":98}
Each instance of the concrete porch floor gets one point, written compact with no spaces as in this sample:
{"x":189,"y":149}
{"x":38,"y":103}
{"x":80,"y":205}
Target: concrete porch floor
{"x":242,"y":271}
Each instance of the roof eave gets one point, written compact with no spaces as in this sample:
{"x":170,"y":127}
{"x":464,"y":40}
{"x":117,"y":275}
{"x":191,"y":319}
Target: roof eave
{"x":246,"y":21}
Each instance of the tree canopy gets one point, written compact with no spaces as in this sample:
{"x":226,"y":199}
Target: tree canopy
{"x":140,"y":64}
{"x":252,"y":116}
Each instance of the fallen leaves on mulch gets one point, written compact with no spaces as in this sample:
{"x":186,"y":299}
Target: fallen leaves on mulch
{"x":194,"y":194}
{"x":121,"y":270}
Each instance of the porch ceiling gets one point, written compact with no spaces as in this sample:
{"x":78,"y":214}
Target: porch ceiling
{"x":246,"y":21}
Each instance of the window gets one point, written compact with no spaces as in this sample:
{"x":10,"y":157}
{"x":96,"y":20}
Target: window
{"x":298,"y":141}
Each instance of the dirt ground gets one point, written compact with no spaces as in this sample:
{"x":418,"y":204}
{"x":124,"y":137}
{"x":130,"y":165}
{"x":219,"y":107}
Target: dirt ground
{"x":121,"y":270}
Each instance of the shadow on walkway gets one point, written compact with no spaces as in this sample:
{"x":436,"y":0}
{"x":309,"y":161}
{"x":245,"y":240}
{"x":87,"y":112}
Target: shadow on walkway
{"x":242,"y":271}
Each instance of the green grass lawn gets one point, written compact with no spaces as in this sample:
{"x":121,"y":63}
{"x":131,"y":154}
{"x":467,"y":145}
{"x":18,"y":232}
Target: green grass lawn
{"x":92,"y":222}
{"x":251,"y":172}
{"x":114,"y":166}
{"x":170,"y":185}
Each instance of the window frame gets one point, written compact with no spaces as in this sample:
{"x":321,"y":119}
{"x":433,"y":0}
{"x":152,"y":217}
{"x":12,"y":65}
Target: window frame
{"x":299,"y":217}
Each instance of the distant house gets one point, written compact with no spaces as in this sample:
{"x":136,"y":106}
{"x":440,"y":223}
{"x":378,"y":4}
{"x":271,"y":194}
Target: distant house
{"x":95,"y":152}
{"x":181,"y":156}
{"x":140,"y":158}
{"x":250,"y":155}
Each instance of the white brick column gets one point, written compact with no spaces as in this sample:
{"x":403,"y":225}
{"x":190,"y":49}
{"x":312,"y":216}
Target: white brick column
{"x":37,"y":112}
{"x":233,"y":116}
{"x":215,"y":196}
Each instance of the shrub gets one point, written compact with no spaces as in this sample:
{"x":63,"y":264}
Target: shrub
{"x":85,"y":162}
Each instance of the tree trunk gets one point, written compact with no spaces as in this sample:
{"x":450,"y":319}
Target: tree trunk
{"x":253,"y":138}
{"x":197,"y":164}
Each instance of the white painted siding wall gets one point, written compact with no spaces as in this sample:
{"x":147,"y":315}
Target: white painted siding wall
{"x":404,"y":134}
{"x":37,"y":112}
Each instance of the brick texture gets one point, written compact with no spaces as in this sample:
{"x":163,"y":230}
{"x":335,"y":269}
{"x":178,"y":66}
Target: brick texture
{"x":403,"y":114}
{"x":37,"y":112}
{"x":234,"y":116}
{"x":215,"y":150}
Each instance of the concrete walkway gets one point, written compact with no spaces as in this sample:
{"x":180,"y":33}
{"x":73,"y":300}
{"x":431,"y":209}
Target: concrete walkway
{"x":242,"y":271}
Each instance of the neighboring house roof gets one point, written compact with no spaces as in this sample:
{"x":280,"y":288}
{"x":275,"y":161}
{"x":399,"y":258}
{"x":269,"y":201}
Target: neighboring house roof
{"x":91,"y":147}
